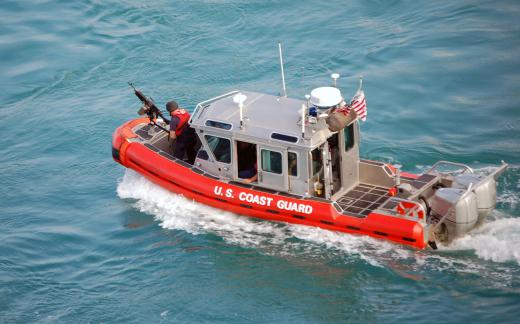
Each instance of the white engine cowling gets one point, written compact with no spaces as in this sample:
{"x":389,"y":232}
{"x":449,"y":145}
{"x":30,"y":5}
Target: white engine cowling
{"x":485,"y":191}
{"x":461,"y":209}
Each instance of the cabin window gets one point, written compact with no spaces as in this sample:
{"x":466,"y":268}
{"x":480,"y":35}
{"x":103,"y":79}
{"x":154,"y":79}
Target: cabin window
{"x":272,"y":161}
{"x":220,"y":147}
{"x":203,"y":155}
{"x":292,"y":162}
{"x":349,"y":136}
{"x":217,"y":124}
{"x":317,"y":165}
{"x":283,"y":137}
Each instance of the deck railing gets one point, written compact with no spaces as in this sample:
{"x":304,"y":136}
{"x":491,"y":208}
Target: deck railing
{"x":199,"y":109}
{"x":460,"y":165}
{"x":404,"y":208}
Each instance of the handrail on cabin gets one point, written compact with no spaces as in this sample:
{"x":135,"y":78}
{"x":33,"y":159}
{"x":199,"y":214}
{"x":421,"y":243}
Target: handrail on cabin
{"x":198,"y":108}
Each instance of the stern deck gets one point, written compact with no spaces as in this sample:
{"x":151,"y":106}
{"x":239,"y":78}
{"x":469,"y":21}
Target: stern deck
{"x":363,"y":199}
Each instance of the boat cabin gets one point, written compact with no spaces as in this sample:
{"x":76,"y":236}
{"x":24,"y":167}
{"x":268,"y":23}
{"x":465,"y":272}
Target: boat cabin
{"x":247,"y":133}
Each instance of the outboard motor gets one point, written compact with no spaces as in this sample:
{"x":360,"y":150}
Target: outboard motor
{"x":485,"y":190}
{"x":458,"y":210}
{"x":466,"y":203}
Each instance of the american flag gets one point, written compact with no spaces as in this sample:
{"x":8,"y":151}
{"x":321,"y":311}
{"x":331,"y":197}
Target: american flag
{"x":359,"y":104}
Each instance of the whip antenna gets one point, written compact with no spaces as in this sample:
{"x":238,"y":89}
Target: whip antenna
{"x":281,"y":68}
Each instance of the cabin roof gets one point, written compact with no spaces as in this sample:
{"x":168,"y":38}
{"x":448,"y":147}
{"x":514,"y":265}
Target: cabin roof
{"x":263,"y":115}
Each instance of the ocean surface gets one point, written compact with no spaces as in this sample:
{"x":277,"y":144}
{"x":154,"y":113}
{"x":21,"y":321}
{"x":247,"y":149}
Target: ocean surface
{"x":84,"y":240}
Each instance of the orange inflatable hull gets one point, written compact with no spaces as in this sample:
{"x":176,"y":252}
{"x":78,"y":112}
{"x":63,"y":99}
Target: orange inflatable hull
{"x":193,"y":183}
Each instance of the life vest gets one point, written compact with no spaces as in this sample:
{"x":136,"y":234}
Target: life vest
{"x":184,"y":117}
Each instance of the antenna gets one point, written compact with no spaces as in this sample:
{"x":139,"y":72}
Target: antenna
{"x":335,"y":77}
{"x":303,"y":121}
{"x":360,"y":82}
{"x":239,"y":99}
{"x":281,"y":67}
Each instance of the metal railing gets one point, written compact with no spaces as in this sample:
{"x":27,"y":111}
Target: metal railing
{"x":204,"y":104}
{"x":460,"y":165}
{"x":413,"y":212}
{"x":497,"y":172}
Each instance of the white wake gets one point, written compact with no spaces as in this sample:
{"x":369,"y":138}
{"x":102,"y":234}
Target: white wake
{"x":497,"y":240}
{"x":173,"y":211}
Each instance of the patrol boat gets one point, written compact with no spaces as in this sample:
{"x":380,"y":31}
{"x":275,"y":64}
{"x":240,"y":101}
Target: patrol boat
{"x":308,"y":170}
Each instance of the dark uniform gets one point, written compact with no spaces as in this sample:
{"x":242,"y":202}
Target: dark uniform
{"x":186,"y":138}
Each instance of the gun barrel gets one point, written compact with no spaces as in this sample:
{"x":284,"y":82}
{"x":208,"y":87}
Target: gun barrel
{"x":149,"y":103}
{"x":142,"y":97}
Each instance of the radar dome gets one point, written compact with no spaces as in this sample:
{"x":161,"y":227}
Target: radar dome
{"x":326,"y":97}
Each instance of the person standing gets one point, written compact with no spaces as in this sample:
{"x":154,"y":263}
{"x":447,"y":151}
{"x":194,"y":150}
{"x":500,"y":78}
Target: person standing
{"x":181,"y":133}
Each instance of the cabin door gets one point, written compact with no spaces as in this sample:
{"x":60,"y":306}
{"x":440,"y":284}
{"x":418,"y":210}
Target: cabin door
{"x":272,"y":167}
{"x":334,"y":161}
{"x":349,"y":148}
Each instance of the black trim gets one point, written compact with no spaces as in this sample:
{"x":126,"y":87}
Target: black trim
{"x":272,"y":211}
{"x":246,"y":206}
{"x":407,"y":239}
{"x":217,"y":124}
{"x":353,"y":214}
{"x":284,"y":137}
{"x":220,"y":199}
{"x":151,"y":147}
{"x":211,"y":176}
{"x":290,"y":195}
{"x":326,"y":222}
{"x":197,"y":170}
{"x":264,"y":190}
{"x":380,"y":233}
{"x":354,"y":228}
{"x":298,"y":216}
{"x":318,"y":199}
{"x":184,"y":164}
{"x":168,"y":156}
{"x":115,"y":154}
{"x":240,"y":184}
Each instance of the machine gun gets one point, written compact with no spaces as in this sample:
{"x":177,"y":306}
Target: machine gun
{"x":149,"y":108}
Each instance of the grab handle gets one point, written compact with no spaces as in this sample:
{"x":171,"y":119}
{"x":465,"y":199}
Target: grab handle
{"x":439,"y":163}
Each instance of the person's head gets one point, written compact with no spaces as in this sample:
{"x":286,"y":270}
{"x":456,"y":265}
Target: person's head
{"x":171,"y":106}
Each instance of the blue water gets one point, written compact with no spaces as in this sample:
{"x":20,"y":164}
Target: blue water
{"x":84,"y":240}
